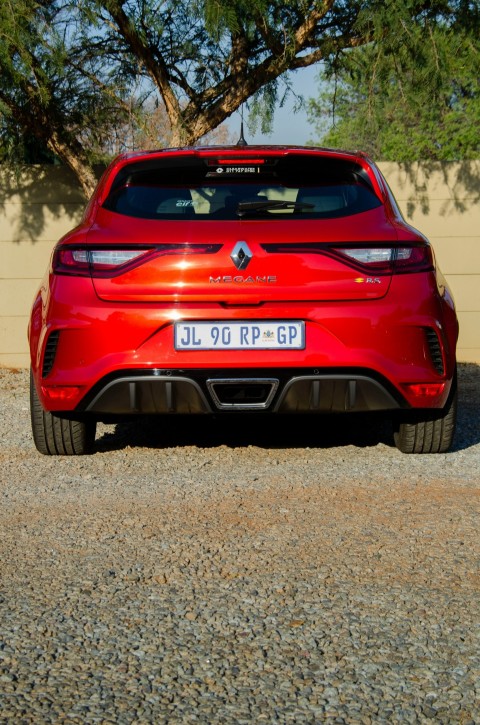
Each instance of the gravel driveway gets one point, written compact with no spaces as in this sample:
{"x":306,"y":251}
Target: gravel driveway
{"x":219,"y":573}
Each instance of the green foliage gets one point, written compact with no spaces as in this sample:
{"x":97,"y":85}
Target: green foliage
{"x":415,"y":96}
{"x":49,"y":104}
{"x":79,"y":78}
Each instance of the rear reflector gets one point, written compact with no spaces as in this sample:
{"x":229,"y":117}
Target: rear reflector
{"x":426,"y":390}
{"x":61,"y":394}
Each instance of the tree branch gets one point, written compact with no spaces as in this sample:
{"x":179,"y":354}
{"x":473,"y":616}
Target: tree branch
{"x":220,"y":101}
{"x":155,"y":66}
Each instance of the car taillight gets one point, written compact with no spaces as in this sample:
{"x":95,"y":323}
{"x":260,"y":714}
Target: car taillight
{"x":379,"y":258}
{"x":111,"y":261}
{"x":84,"y":262}
{"x":71,"y":261}
{"x":388,"y":259}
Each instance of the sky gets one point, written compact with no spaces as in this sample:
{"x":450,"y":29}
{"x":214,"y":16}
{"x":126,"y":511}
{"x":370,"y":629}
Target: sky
{"x":288,"y":127}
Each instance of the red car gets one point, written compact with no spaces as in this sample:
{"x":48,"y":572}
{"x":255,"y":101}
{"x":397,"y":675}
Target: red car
{"x":212,"y":280}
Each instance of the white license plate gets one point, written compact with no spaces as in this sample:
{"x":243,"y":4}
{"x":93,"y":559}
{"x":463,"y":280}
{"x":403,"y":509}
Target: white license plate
{"x":287,"y":335}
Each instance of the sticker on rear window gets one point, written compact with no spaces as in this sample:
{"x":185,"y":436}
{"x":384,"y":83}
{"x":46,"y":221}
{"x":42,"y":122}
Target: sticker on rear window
{"x":238,"y":170}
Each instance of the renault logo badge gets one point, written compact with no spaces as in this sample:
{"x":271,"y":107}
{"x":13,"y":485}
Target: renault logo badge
{"x":241,"y":255}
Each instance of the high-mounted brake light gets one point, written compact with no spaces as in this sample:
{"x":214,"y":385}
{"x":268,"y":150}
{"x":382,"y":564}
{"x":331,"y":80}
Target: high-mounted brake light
{"x":238,"y":161}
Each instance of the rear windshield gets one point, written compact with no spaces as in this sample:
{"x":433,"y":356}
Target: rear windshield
{"x":181,"y":188}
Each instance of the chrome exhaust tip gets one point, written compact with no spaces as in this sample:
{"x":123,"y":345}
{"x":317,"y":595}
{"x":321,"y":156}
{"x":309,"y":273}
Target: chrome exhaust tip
{"x":242,"y":393}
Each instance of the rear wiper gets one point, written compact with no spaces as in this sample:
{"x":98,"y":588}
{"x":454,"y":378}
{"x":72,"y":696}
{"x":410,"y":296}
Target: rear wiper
{"x":246,"y":207}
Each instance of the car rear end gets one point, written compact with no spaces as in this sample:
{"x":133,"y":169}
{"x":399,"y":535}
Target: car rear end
{"x":222,"y":280}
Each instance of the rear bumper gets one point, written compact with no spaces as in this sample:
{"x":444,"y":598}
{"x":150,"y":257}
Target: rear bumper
{"x":101,"y":358}
{"x":271,"y":390}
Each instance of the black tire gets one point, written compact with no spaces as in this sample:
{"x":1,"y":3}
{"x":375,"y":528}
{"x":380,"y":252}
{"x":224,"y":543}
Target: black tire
{"x":54,"y":436}
{"x":428,"y":431}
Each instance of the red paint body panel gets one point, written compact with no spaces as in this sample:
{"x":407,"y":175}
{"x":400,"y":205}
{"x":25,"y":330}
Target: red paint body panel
{"x":187,"y":278}
{"x":354,"y":321}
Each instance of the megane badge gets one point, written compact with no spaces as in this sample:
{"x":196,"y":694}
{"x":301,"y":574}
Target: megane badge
{"x":241,"y":255}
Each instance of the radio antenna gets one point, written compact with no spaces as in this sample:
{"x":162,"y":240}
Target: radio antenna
{"x":241,"y":141}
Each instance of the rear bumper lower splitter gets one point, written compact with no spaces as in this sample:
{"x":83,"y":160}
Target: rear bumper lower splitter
{"x":158,"y":391}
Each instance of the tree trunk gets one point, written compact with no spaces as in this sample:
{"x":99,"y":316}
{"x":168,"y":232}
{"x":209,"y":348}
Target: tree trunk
{"x":80,"y":167}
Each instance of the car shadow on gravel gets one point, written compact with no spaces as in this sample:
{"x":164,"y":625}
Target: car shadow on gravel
{"x":239,"y":431}
{"x":270,"y":431}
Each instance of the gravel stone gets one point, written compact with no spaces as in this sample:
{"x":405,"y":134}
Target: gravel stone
{"x":237,"y":571}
